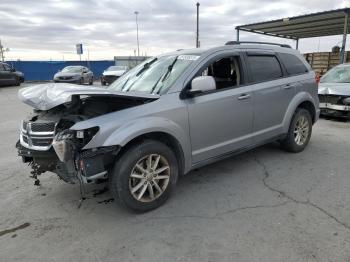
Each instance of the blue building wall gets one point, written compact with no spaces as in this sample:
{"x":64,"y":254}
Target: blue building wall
{"x":45,"y":70}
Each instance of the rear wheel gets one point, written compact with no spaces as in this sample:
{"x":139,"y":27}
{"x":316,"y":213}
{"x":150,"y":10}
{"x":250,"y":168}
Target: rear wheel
{"x":81,"y":81}
{"x":91,"y":81}
{"x":299,"y":132}
{"x":144,"y":176}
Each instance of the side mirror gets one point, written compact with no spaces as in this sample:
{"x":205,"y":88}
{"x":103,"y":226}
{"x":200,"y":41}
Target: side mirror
{"x":202,"y":84}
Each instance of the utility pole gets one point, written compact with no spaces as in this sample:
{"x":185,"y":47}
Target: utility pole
{"x":197,"y":32}
{"x":2,"y":51}
{"x":137,"y":34}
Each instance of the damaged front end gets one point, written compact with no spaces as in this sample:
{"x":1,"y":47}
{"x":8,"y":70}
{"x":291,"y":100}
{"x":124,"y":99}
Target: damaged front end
{"x":47,"y":142}
{"x":51,"y":146}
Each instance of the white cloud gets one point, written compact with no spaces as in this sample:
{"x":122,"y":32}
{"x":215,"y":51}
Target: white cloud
{"x":40,"y":30}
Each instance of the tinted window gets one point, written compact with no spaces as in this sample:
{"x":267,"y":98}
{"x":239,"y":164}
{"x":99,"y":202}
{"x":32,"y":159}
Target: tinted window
{"x":293,"y":64}
{"x":264,"y":67}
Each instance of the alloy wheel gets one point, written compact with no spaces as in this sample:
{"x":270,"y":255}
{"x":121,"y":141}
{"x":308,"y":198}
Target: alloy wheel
{"x":149,"y":178}
{"x":301,"y":130}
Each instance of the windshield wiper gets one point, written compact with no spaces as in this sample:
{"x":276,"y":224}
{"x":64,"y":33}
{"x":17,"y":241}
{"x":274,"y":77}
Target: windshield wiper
{"x":146,"y":66}
{"x":163,"y":78}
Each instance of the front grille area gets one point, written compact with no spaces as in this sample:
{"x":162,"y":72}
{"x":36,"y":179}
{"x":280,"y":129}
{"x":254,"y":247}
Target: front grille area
{"x":43,"y":127}
{"x":65,"y":77}
{"x":331,"y":99}
{"x":37,"y":135}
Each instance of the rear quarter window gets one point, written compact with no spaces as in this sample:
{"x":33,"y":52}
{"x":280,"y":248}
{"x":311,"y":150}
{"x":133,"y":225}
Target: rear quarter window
{"x":264,"y":67}
{"x":293,"y":64}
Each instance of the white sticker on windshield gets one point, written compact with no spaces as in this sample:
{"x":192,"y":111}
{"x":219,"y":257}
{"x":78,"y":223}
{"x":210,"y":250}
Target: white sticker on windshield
{"x":188,"y":57}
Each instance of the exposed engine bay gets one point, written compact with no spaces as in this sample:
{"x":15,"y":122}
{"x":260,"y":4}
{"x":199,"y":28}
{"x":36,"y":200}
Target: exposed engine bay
{"x":47,"y":143}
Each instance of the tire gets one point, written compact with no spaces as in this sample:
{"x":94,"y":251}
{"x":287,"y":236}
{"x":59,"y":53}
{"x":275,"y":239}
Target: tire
{"x":299,"y":132}
{"x":121,"y":184}
{"x":18,"y":81}
{"x":103,"y":83}
{"x":91,"y":81}
{"x":81,"y":81}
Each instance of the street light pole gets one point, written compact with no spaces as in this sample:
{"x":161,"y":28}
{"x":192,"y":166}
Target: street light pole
{"x":197,"y":32}
{"x":137,"y":34}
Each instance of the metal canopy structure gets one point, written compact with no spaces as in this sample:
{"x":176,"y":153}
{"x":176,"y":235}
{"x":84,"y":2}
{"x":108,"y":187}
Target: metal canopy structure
{"x":333,"y":22}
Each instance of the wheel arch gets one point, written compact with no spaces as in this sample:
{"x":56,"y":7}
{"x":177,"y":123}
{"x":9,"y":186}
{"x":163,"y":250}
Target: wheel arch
{"x":156,"y":128}
{"x":164,"y":138}
{"x":301,"y":100}
{"x":309,"y":107}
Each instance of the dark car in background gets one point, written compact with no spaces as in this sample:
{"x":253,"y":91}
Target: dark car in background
{"x":9,"y":76}
{"x":112,"y":73}
{"x":74,"y":74}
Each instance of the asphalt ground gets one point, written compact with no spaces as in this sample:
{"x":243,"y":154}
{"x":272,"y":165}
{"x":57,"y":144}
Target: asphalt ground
{"x":263,"y":205}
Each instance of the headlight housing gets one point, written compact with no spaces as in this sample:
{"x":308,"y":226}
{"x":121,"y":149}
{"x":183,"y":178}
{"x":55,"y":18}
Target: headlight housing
{"x":84,"y":136}
{"x":346,"y":101}
{"x":67,"y":141}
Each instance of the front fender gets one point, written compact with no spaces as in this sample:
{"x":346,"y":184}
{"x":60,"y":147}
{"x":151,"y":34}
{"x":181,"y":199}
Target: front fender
{"x":137,"y":127}
{"x":293,"y":105}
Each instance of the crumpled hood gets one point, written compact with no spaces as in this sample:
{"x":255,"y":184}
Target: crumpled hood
{"x":334,"y":89}
{"x":47,"y":96}
{"x":113,"y":73}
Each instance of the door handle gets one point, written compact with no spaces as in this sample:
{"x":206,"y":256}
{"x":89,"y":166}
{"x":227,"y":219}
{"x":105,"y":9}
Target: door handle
{"x":288,"y":86}
{"x":243,"y":97}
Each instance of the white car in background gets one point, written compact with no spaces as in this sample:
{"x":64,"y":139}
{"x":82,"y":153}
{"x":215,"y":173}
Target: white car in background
{"x":112,"y":73}
{"x":334,"y":92}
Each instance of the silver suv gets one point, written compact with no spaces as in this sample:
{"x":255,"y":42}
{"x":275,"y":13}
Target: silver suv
{"x":170,"y":114}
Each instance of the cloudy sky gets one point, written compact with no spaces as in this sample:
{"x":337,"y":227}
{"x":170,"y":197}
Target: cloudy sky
{"x":49,"y":29}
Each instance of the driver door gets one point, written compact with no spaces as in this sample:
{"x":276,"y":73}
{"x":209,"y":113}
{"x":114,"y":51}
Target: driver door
{"x":221,"y":121}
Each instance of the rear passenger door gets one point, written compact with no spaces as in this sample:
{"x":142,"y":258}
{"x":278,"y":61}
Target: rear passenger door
{"x":272,"y":94}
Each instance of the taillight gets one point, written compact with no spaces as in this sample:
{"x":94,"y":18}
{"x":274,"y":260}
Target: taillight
{"x":317,"y":78}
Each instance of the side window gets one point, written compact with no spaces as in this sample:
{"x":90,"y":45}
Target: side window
{"x":264,"y":67}
{"x":226,"y":72}
{"x":7,"y":67}
{"x":293,"y":64}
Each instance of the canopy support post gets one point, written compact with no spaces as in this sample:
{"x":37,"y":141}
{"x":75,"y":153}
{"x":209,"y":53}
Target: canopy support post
{"x":297,"y":44}
{"x":342,"y":53}
{"x":237,"y":34}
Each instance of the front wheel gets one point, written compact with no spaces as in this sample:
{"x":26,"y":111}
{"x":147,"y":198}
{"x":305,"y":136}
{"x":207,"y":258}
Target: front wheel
{"x":144,"y":176}
{"x":18,"y":81}
{"x":91,"y":81}
{"x":299,"y":132}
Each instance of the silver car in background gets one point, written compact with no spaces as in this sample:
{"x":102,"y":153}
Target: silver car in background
{"x":334,"y":92}
{"x":112,"y":73}
{"x":74,"y":74}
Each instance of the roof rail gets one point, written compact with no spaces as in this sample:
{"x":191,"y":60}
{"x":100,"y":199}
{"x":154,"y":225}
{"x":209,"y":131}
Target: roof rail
{"x":252,"y":42}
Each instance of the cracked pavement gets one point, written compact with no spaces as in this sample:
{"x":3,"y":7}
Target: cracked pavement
{"x":263,"y":205}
